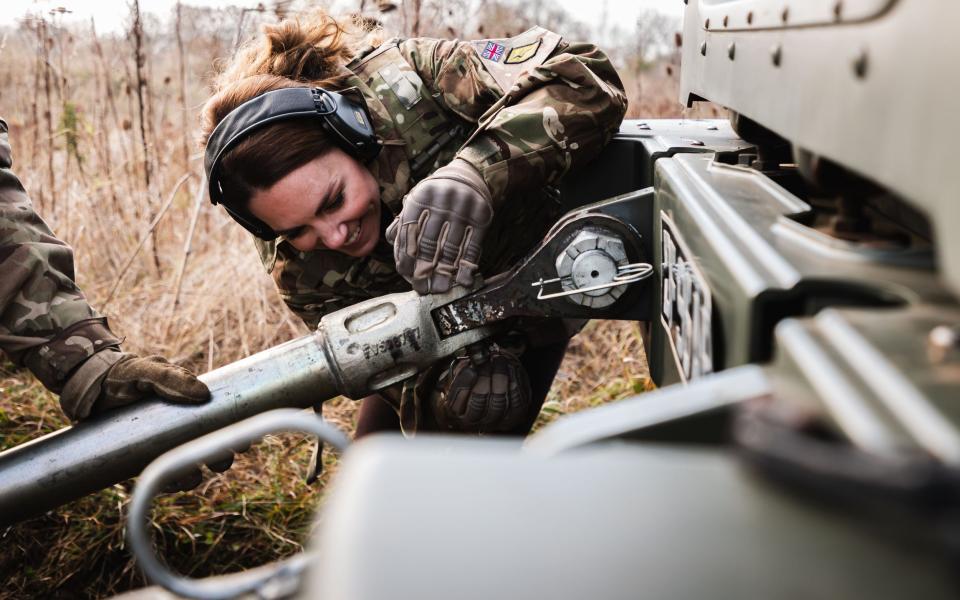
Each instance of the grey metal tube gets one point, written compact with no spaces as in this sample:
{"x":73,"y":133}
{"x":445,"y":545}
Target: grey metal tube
{"x":356,"y":350}
{"x":67,"y":464}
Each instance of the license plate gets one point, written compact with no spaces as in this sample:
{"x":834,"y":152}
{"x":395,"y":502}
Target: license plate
{"x":687,"y":306}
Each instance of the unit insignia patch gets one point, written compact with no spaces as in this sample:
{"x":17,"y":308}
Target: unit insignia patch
{"x":522,"y":53}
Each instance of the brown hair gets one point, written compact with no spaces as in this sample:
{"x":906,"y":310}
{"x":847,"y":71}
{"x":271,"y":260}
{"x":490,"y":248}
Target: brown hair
{"x":304,"y":52}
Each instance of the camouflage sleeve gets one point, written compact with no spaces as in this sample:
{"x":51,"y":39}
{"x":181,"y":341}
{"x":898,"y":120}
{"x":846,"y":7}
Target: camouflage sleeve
{"x":45,"y":321}
{"x":455,"y":75}
{"x":539,"y":116}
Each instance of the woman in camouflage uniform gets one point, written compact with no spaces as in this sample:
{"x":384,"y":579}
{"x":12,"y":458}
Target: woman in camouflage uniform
{"x":472,"y":133}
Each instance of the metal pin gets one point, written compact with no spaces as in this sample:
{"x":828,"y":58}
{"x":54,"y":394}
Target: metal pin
{"x":941,"y":340}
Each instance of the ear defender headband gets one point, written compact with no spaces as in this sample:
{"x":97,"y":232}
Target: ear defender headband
{"x":345,"y":119}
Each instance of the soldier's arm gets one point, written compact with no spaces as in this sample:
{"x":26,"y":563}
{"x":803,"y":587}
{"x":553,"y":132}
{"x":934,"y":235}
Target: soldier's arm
{"x":537,"y":119}
{"x":46,"y":323}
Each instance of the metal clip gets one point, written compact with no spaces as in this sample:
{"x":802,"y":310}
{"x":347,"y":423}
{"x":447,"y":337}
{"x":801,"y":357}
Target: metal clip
{"x":626,"y":274}
{"x":316,"y":459}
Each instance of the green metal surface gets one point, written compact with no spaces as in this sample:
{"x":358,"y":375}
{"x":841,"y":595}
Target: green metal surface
{"x":762,"y":263}
{"x":870,"y":85}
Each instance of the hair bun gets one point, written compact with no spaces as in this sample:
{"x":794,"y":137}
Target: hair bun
{"x":305,"y":50}
{"x":313,"y":48}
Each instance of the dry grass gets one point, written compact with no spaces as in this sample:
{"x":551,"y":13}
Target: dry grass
{"x":100,"y":177}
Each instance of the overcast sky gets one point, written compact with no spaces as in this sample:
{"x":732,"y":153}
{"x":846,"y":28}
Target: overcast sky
{"x":110,"y":14}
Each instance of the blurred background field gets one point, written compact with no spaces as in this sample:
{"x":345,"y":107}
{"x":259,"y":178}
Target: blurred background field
{"x":103,"y":127}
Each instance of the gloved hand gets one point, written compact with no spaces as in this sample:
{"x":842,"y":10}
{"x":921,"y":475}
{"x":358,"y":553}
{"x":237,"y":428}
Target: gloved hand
{"x":134,"y":377}
{"x":487,"y":391}
{"x":438,"y":235}
{"x":111,"y":378}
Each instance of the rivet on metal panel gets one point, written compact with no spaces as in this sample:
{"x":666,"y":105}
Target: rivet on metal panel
{"x":732,"y":51}
{"x":838,"y":10}
{"x":776,"y":55}
{"x":785,"y":15}
{"x":941,"y":342}
{"x":703,"y":48}
{"x":861,"y":65}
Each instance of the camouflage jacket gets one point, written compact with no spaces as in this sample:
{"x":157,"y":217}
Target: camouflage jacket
{"x":524,"y":111}
{"x":45,"y":321}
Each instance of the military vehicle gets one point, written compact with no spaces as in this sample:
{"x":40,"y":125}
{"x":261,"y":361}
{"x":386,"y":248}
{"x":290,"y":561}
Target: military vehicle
{"x":796,"y":272}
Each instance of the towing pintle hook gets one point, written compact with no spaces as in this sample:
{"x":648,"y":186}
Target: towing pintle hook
{"x":582,"y":269}
{"x":593,"y":270}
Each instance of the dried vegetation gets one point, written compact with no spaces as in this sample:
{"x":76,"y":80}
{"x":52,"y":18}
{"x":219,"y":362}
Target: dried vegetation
{"x":102,"y":127}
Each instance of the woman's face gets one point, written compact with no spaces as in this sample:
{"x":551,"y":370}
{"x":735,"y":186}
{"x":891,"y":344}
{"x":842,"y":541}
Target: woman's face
{"x":331,"y":202}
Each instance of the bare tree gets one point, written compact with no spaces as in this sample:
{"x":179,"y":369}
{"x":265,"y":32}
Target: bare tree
{"x":415,"y":7}
{"x":139,"y":57}
{"x":182,"y":95}
{"x":653,"y":38}
{"x":259,"y":8}
{"x":45,"y":43}
{"x":142,"y":90}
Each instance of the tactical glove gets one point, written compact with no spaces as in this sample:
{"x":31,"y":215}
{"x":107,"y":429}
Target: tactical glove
{"x":133,"y":378}
{"x":111,"y":378}
{"x":487,"y":391}
{"x":438,"y":235}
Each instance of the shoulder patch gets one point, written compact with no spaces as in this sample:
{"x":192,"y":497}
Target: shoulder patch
{"x":506,"y":59}
{"x":404,"y":83}
{"x":493,"y":51}
{"x":522,"y":53}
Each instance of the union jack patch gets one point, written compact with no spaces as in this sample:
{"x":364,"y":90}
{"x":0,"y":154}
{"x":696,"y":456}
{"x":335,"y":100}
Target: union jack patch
{"x":493,"y":51}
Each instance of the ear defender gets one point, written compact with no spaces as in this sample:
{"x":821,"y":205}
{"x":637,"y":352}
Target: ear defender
{"x":343,"y":115}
